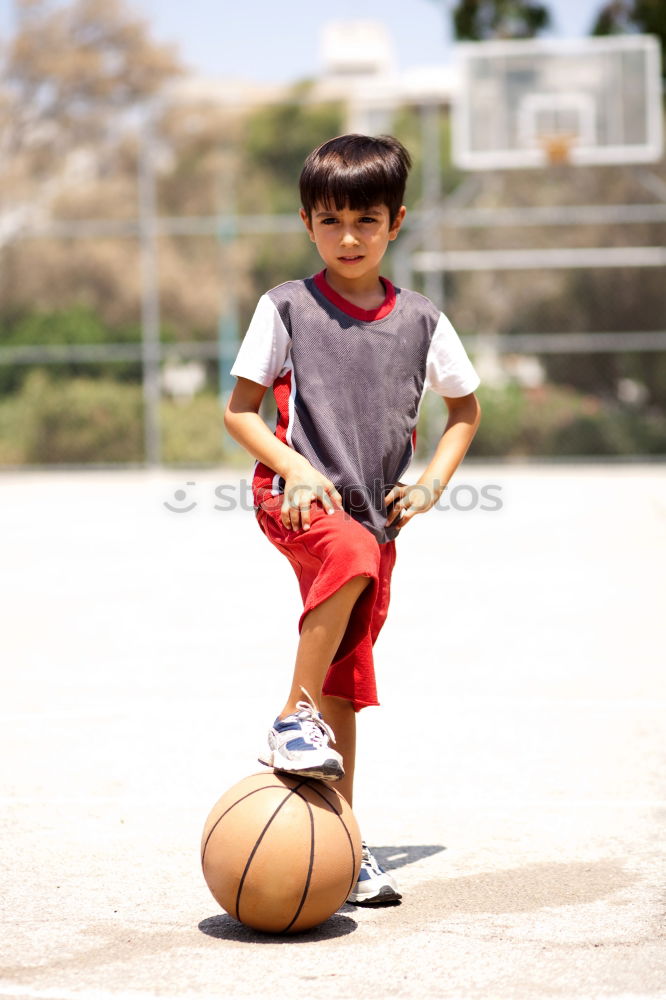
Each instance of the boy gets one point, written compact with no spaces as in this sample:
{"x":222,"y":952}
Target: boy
{"x":348,"y":357}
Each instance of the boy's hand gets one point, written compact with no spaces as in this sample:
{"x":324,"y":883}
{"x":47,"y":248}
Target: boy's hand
{"x":405,"y":502}
{"x":301,"y":487}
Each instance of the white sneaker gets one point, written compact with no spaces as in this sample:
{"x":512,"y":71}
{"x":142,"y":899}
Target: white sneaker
{"x":374,"y":885}
{"x":299,"y":744}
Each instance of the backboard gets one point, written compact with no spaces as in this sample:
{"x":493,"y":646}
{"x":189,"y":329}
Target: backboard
{"x":584,"y":101}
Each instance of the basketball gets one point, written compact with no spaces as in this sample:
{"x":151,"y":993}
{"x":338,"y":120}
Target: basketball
{"x":281,"y":853}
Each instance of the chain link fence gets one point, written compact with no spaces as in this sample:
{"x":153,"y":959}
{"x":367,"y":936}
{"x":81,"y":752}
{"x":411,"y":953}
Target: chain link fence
{"x":558,"y":297}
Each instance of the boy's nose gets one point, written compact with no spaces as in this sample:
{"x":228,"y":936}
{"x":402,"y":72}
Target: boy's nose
{"x":349,"y":240}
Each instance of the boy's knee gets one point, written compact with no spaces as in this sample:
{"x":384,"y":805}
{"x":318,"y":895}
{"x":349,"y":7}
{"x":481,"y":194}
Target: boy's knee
{"x":336,"y":703}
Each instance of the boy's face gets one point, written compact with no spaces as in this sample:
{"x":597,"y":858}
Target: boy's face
{"x":352,"y":242}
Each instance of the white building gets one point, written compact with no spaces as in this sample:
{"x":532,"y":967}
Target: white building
{"x":358,"y":68}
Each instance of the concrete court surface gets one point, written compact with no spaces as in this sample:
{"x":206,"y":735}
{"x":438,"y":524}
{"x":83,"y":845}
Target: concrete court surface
{"x":514,"y":777}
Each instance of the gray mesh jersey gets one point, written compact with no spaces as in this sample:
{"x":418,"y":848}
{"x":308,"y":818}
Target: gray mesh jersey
{"x":348,"y":387}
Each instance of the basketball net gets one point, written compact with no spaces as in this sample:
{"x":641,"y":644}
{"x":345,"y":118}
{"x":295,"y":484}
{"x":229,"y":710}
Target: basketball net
{"x":557,"y":147}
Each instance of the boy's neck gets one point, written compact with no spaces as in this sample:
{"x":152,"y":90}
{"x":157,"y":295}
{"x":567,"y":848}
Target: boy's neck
{"x":367,"y":292}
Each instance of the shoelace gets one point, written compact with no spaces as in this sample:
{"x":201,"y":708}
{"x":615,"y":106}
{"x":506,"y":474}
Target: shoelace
{"x":368,"y":860}
{"x":316,"y":730}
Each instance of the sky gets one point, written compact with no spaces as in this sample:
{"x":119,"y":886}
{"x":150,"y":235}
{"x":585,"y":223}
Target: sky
{"x":277,"y":40}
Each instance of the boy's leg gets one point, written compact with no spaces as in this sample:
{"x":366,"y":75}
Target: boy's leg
{"x":321,"y":634}
{"x":341,"y":716}
{"x":337,"y":563}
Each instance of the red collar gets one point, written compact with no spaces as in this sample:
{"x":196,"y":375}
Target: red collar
{"x":367,"y":315}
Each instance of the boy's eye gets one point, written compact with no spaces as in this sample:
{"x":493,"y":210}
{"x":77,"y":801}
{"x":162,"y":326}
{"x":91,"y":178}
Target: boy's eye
{"x":332,"y":220}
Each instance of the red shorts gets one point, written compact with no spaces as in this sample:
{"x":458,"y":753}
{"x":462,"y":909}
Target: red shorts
{"x":335,"y":549}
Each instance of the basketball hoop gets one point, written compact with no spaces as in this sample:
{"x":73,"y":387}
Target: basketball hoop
{"x":534,"y":102}
{"x":557,"y":147}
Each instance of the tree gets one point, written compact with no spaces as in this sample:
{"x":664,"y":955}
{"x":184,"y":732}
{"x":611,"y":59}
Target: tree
{"x":71,"y":80}
{"x":277,"y":140}
{"x":479,"y":20}
{"x":70,"y":69}
{"x":620,"y":17}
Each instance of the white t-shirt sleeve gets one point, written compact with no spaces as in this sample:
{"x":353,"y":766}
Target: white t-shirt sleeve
{"x":265,"y":349}
{"x":449,"y":372}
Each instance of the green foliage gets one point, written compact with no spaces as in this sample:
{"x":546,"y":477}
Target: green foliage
{"x":478,"y":20}
{"x":193,"y":431}
{"x":601,"y":433}
{"x":76,"y":325}
{"x":80,"y":420}
{"x":272,"y":263}
{"x":275,"y":143}
{"x":548,"y":421}
{"x":277,"y":140}
{"x":13,"y":430}
{"x":99,"y":421}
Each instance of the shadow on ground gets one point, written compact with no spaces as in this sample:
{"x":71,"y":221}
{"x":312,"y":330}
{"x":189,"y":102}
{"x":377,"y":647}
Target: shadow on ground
{"x":397,"y":857}
{"x":390,"y":857}
{"x":227,"y":929}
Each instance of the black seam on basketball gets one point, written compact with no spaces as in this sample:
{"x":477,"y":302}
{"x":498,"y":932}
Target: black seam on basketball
{"x":310,"y":866}
{"x":232,"y":806}
{"x":257,"y":842}
{"x":322,"y":796}
{"x":351,"y":842}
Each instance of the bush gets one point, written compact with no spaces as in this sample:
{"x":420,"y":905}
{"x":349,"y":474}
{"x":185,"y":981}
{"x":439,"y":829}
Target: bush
{"x":12,"y":431}
{"x":551,"y":420}
{"x":92,"y":421}
{"x":193,"y":431}
{"x":504,"y":422}
{"x":75,"y":326}
{"x":602,"y":433}
{"x":80,"y":421}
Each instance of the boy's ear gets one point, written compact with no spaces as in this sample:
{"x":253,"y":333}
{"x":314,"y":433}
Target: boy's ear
{"x":308,"y":223}
{"x":397,"y":222}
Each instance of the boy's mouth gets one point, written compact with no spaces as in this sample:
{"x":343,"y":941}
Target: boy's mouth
{"x":350,"y":259}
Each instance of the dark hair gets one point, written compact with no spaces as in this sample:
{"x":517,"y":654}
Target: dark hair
{"x":356,"y":170}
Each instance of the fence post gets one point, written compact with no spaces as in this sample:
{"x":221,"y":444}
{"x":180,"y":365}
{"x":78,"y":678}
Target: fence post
{"x":150,"y":300}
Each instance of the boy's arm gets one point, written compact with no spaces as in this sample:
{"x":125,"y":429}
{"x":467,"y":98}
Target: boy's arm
{"x":303,"y":483}
{"x":461,"y":426}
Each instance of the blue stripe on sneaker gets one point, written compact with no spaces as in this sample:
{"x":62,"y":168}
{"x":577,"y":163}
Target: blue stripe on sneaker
{"x":284,"y":725}
{"x":299,"y":744}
